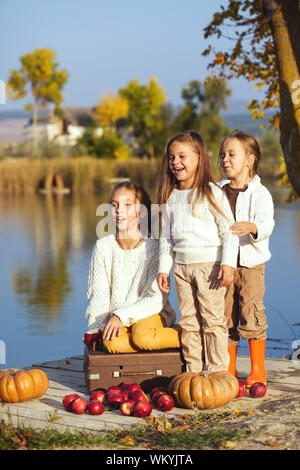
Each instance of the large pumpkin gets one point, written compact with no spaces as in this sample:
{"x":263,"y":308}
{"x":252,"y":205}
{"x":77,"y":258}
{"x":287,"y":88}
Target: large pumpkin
{"x":22,"y":385}
{"x":203,"y":390}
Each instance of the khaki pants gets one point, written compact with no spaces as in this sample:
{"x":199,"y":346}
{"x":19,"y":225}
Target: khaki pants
{"x":204,"y":336}
{"x":244,"y":308}
{"x":148,"y":334}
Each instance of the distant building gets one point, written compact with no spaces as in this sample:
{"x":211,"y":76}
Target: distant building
{"x":64,"y":131}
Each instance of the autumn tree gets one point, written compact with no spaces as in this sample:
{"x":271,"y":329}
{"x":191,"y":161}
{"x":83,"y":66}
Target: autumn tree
{"x":38,"y":74}
{"x":110,"y":109}
{"x":266,"y":50}
{"x":145,"y":114}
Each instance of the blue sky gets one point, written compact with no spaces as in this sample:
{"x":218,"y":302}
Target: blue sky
{"x":105,"y":43}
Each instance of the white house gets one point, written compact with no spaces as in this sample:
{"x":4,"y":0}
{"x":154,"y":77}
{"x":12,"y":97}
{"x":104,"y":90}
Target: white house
{"x":64,"y":131}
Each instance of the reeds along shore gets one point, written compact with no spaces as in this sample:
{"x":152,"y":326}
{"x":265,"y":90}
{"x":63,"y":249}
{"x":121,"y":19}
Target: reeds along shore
{"x":83,"y":174}
{"x":26,"y":175}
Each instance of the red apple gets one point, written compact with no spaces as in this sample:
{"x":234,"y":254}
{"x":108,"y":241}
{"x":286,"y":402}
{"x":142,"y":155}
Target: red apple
{"x":125,"y":385}
{"x":158,"y":389}
{"x":68,"y":399}
{"x":257,"y":390}
{"x":113,"y":391}
{"x":242,"y":389}
{"x":133,"y":387}
{"x":98,"y":395}
{"x":125,"y":395}
{"x":138,"y":396}
{"x":114,"y":401}
{"x":79,"y":405}
{"x":93,"y":339}
{"x":156,"y":395}
{"x":165,"y":402}
{"x":95,"y":407}
{"x":142,"y":409}
{"x":127,"y":407}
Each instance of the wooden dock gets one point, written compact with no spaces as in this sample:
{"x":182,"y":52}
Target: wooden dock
{"x":67,"y":376}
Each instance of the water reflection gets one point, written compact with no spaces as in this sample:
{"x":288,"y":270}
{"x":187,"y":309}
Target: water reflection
{"x":56,"y":234}
{"x":57,"y":226}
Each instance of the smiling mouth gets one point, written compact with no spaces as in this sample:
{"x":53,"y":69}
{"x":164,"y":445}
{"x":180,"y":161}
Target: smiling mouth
{"x":177,"y":171}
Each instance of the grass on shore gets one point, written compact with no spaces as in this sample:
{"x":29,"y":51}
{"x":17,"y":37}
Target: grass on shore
{"x":84,"y":174}
{"x":196,"y":431}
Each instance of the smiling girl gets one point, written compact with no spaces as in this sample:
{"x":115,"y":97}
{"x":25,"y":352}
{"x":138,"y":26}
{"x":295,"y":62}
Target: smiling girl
{"x":205,"y":251}
{"x":124,"y":299}
{"x":253,"y":210}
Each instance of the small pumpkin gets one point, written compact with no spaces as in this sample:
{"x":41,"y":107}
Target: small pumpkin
{"x":21,"y":385}
{"x":204,"y":390}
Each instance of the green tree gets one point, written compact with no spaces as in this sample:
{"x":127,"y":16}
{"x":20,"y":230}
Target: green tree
{"x":266,"y":49}
{"x":145,"y":115}
{"x":201,"y":111}
{"x":39,"y":72}
{"x":108,"y":145}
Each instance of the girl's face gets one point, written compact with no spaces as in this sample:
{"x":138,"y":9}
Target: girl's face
{"x":235,"y":161}
{"x":126,"y":212}
{"x":183,"y":162}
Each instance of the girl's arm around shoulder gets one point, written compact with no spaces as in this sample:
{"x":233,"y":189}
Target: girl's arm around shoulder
{"x":224,"y":220}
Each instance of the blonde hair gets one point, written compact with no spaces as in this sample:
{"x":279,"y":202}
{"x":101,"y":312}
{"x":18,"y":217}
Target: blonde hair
{"x":250,"y":145}
{"x":167,"y":182}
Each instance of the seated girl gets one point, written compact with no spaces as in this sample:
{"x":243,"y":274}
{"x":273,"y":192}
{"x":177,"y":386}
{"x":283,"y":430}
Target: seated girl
{"x":125,"y":301}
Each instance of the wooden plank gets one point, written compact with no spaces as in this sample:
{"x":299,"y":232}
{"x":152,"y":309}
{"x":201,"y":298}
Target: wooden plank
{"x":279,"y":371}
{"x":71,"y":364}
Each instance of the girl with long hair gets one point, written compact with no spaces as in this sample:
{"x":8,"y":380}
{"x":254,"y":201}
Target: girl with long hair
{"x":196,"y":236}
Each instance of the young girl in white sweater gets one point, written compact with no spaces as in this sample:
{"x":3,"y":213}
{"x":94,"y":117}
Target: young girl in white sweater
{"x":253,"y":210}
{"x":124,"y":299}
{"x":196,"y":220}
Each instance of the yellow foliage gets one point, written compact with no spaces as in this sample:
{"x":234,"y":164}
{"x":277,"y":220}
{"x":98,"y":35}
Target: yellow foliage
{"x":122,"y":153}
{"x":111,"y":108}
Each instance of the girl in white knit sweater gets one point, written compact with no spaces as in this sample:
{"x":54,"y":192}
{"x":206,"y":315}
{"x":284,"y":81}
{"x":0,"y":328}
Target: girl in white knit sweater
{"x":253,"y":210}
{"x":196,"y":220}
{"x":124,"y":299}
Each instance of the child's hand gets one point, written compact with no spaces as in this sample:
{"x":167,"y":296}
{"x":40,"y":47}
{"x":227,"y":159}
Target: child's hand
{"x":243,"y":228}
{"x":112,"y":328}
{"x":163,"y":282}
{"x":226,"y":275}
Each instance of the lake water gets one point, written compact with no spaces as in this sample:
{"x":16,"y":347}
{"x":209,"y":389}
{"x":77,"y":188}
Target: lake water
{"x":46,"y":244}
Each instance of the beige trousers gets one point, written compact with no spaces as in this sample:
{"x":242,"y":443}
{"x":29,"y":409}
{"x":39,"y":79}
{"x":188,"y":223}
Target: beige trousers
{"x":244,"y":308}
{"x":204,"y":335}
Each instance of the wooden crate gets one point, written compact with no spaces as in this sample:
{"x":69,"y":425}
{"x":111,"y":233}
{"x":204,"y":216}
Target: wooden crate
{"x":150,"y":368}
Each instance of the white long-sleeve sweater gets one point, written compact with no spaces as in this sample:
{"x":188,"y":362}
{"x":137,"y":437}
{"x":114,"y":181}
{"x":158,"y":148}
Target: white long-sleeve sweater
{"x":204,"y":236}
{"x":124,"y":283}
{"x":254,"y":205}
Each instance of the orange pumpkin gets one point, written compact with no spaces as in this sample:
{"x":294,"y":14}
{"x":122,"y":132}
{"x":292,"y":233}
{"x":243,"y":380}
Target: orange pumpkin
{"x":204,"y":390}
{"x":21,"y":385}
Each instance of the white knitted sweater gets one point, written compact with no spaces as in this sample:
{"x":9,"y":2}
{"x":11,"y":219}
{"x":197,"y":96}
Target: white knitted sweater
{"x":124,"y":283}
{"x":199,"y":237}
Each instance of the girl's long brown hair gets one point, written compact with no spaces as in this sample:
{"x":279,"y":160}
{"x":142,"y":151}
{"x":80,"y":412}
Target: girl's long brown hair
{"x":203,"y":175}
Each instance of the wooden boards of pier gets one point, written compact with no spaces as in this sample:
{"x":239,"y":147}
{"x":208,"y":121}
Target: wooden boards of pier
{"x":67,"y":376}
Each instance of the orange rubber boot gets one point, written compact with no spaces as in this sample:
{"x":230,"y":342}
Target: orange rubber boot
{"x":257,"y":356}
{"x":232,"y":350}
